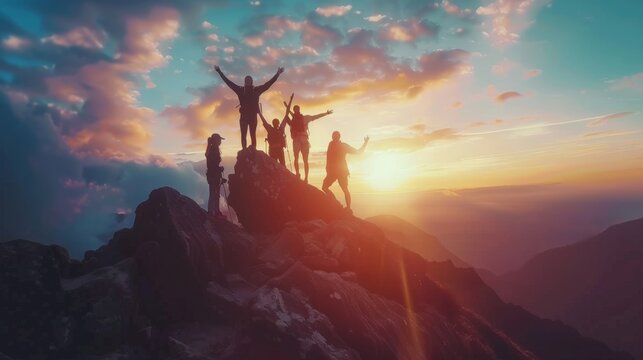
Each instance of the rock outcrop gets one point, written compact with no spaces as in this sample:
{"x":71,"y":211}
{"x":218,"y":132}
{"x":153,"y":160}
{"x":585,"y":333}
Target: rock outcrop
{"x":265,"y":196}
{"x":306,"y":282}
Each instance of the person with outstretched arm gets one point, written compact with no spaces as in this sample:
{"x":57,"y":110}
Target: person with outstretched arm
{"x":299,"y":134}
{"x":214,"y":173}
{"x":276,"y":134}
{"x":249,"y":103}
{"x":336,"y":166}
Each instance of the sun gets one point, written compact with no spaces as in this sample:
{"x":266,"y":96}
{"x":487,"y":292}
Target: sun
{"x":386,"y":171}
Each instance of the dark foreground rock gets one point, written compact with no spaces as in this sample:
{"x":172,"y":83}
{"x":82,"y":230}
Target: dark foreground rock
{"x":181,"y":285}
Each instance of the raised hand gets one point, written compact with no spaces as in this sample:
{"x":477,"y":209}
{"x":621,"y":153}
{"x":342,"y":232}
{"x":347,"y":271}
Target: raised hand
{"x":366,"y":139}
{"x":280,"y":70}
{"x":328,"y":112}
{"x":217,"y":68}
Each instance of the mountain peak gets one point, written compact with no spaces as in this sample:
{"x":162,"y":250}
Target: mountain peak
{"x":300,"y":280}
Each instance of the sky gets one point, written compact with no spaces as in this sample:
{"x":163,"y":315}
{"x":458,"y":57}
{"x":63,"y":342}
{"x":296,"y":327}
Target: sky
{"x":104,"y":101}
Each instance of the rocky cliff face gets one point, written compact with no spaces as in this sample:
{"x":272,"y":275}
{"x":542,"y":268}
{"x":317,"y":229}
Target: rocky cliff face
{"x":297,"y":282}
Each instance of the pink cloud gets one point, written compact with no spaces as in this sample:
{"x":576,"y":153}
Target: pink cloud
{"x":508,"y":95}
{"x":408,"y":31}
{"x":375,"y":18}
{"x":532,"y":73}
{"x":80,"y":36}
{"x":13,"y":42}
{"x":506,"y":19}
{"x":453,"y":9}
{"x":253,"y":41}
{"x":632,"y":82}
{"x":607,"y":118}
{"x":329,"y":11}
{"x":416,"y":142}
{"x":110,"y":123}
{"x":504,"y":67}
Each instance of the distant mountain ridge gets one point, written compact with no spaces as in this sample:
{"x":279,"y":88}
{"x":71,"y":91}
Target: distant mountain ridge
{"x":595,"y":285}
{"x":413,"y":238}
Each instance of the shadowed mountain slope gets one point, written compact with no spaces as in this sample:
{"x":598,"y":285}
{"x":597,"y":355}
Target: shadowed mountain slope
{"x":596,"y":285}
{"x":413,"y":238}
{"x":311,"y":283}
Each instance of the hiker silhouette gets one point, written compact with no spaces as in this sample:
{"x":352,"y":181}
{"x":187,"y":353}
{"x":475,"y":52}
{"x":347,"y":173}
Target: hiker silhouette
{"x":276,"y":134}
{"x":299,"y":134}
{"x":336,"y":166}
{"x":249,"y":103}
{"x":214,"y":173}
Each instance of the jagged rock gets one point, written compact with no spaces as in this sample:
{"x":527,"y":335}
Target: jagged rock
{"x":101,"y":310}
{"x":265,"y":195}
{"x":312,"y":282}
{"x":180,"y":248}
{"x":31,"y":298}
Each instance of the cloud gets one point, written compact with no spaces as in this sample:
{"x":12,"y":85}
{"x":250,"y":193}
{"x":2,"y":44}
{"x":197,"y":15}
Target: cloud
{"x":375,"y":18}
{"x":52,"y":196}
{"x":479,"y":124}
{"x":417,"y":140}
{"x":107,"y":121}
{"x":633,"y":82}
{"x":506,"y":19}
{"x":408,"y":31}
{"x":81,"y":36}
{"x":532,"y":73}
{"x":455,"y":10}
{"x":456,"y":104}
{"x":606,"y":134}
{"x":207,"y":25}
{"x":329,"y":11}
{"x":602,"y":120}
{"x":504,"y":67}
{"x":13,"y":42}
{"x":550,"y":124}
{"x":508,"y":95}
{"x":311,"y":33}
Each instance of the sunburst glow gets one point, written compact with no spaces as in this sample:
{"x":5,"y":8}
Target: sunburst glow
{"x":386,"y":170}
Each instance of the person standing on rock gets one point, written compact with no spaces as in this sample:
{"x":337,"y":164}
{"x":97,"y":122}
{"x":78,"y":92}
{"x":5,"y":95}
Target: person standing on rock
{"x":214,"y":173}
{"x":336,"y":166}
{"x":299,"y":134}
{"x":249,"y":103}
{"x":277,"y":135}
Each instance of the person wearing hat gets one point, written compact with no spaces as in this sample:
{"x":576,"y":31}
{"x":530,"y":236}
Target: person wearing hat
{"x":214,"y":173}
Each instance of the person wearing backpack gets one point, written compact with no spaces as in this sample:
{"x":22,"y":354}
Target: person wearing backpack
{"x":277,"y":134}
{"x":249,"y":103}
{"x":336,"y":166}
{"x":299,"y":134}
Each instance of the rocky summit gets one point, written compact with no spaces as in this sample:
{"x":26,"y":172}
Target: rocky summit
{"x":301,"y":279}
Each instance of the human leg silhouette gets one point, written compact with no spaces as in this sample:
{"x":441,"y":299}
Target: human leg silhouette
{"x":244,"y":130}
{"x":328,"y":181}
{"x":304,"y":153}
{"x":253,"y":132}
{"x":295,"y":151}
{"x":343,"y":183}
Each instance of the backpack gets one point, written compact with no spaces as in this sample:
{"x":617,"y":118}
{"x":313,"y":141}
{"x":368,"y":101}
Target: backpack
{"x":277,"y":138}
{"x":298,"y":124}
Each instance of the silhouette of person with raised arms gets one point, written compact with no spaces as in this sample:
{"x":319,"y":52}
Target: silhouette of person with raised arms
{"x":249,"y":103}
{"x":299,"y":135}
{"x":276,"y":134}
{"x":214,"y":173}
{"x":336,"y":166}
